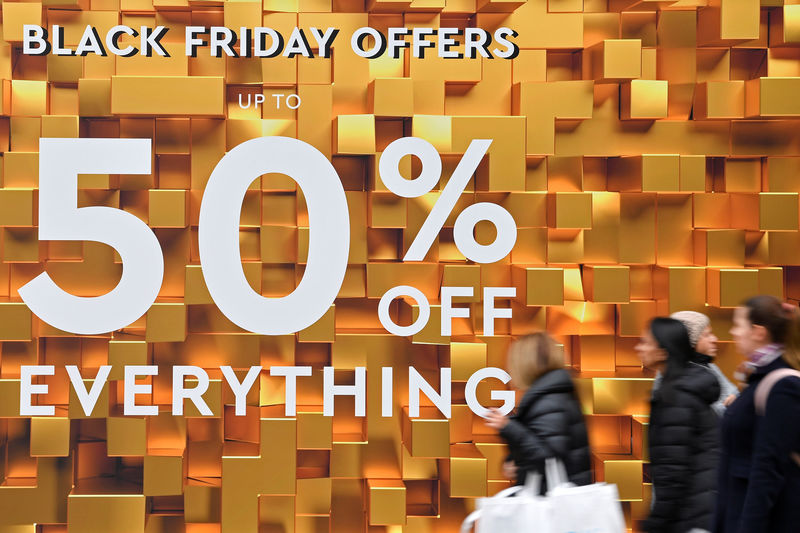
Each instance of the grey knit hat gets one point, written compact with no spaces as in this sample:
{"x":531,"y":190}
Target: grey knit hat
{"x":695,"y":324}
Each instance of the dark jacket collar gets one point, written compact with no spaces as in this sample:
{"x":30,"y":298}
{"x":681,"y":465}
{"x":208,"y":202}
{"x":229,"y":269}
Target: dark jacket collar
{"x":557,"y":380}
{"x":702,"y":359}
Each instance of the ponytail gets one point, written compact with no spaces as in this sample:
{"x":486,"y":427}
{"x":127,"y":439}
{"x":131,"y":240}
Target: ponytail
{"x":782,"y":322}
{"x":791,"y":353}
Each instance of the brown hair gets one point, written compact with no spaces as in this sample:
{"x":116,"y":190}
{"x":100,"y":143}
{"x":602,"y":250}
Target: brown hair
{"x":782,"y":322}
{"x":531,"y":356}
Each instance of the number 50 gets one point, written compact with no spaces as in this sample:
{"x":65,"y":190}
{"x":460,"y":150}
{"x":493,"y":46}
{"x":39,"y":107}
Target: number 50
{"x":60,"y":218}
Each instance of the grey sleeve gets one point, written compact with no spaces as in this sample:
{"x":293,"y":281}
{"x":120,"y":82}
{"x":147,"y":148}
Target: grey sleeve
{"x":726,"y":389}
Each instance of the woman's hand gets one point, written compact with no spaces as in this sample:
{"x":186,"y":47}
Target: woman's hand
{"x":729,"y":400}
{"x":496,"y":420}
{"x":510,"y":470}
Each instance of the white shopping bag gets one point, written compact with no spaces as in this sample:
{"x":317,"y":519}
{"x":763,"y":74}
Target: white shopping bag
{"x":514,"y":510}
{"x":588,"y":509}
{"x":565,"y":509}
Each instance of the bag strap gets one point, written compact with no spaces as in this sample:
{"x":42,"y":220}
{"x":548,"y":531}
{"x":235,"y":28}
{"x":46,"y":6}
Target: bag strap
{"x":762,"y":394}
{"x":763,"y":389}
{"x":555,"y":473}
{"x":469,"y":521}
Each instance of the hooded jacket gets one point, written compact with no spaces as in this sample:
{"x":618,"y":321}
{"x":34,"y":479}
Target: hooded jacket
{"x":684,"y":447}
{"x":549,"y":423}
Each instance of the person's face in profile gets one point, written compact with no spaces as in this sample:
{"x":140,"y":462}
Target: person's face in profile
{"x":748,"y":337}
{"x":649,"y":352}
{"x":707,"y":343}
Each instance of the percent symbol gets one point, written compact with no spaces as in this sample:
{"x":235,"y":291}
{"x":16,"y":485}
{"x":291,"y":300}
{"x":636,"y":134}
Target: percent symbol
{"x":463,"y":230}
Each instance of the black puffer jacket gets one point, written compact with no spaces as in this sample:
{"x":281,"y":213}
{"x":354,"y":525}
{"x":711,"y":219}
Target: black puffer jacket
{"x":549,"y":423}
{"x":684,"y":450}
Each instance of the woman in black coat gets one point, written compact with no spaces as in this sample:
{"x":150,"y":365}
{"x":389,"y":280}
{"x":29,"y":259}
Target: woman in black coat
{"x":548,"y":422}
{"x":759,"y":478}
{"x":683,"y":431}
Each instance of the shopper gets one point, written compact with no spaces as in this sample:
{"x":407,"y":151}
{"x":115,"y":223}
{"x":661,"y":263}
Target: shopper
{"x":548,"y":422}
{"x":704,"y":343}
{"x":759,"y":472}
{"x":683,"y":431}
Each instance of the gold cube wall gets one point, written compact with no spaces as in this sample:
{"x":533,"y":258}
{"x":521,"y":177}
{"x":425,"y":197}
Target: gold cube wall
{"x":648,"y":151}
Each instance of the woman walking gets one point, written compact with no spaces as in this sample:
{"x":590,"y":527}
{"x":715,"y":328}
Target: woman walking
{"x":759,"y":478}
{"x":704,"y":343}
{"x":682,"y":432}
{"x":548,"y":422}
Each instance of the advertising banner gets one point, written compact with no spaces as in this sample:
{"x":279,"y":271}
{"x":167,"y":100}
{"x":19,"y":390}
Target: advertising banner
{"x":262,"y":261}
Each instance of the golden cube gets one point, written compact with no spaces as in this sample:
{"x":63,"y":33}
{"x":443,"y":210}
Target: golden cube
{"x":569,"y":210}
{"x":163,"y":474}
{"x":621,"y":396}
{"x":126,"y":436}
{"x":241,"y":14}
{"x":121,"y":513}
{"x":729,"y":287}
{"x":314,"y":496}
{"x":772,"y":97}
{"x":314,"y":431}
{"x":94,"y":97}
{"x":681,"y":288}
{"x":622,"y":59}
{"x":643,"y":99}
{"x":166,"y":322}
{"x":125,"y":352}
{"x":719,"y":247}
{"x":778,"y":211}
{"x":50,"y":436}
{"x":791,"y":23}
{"x":60,"y":126}
{"x":16,"y":207}
{"x":195,"y":289}
{"x":355,"y":134}
{"x":743,"y":175}
{"x":21,"y":170}
{"x":539,"y":286}
{"x":770,"y":281}
{"x":437,"y":130}
{"x":15,"y":321}
{"x":720,"y":100}
{"x":739,"y":20}
{"x":427,"y":435}
{"x":391,"y":97}
{"x":201,"y":500}
{"x":16,"y":15}
{"x":623,"y":471}
{"x":387,"y":210}
{"x":278,"y":244}
{"x":594,"y":353}
{"x":693,"y":173}
{"x":28,"y":98}
{"x":711,"y":210}
{"x":607,"y":284}
{"x":168,"y":208}
{"x":466,"y":358}
{"x":639,"y":432}
{"x":387,"y":502}
{"x":468,"y":472}
{"x":634,"y":316}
